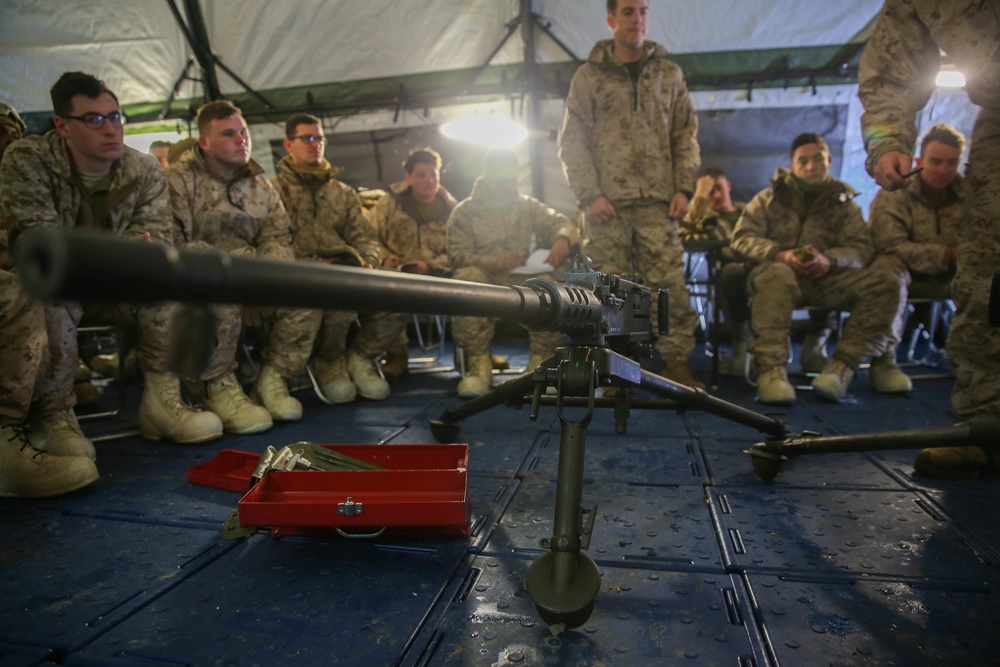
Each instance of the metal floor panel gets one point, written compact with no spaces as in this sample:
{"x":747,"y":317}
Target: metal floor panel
{"x":289,"y":601}
{"x":72,"y":579}
{"x":845,"y":559}
{"x":835,"y":532}
{"x":641,"y":617}
{"x":625,"y":458}
{"x":651,"y":526}
{"x":862,"y":622}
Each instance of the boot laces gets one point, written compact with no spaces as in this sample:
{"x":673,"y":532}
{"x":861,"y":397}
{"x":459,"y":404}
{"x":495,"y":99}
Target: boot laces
{"x":20,"y":434}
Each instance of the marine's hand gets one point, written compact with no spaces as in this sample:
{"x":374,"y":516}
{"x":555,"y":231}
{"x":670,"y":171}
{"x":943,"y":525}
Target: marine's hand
{"x":703,"y":186}
{"x":678,"y":206}
{"x":254,"y":316}
{"x":600,"y":210}
{"x":558,"y":252}
{"x":891,"y":168}
{"x":392,"y":261}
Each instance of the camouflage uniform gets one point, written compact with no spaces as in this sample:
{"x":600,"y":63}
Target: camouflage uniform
{"x":241,"y":216}
{"x":636,"y":144}
{"x":896,"y":77}
{"x":733,"y":273}
{"x":480,"y":229}
{"x":778,"y":219}
{"x":400,"y":233}
{"x":326,"y":217}
{"x":40,"y":188}
{"x":911,"y":239}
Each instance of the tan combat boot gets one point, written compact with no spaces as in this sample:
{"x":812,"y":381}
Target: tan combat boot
{"x":59,"y":434}
{"x":833,"y":382}
{"x":774,"y":388}
{"x":271,"y":391}
{"x":812,"y":356}
{"x":679,"y":372}
{"x":334,"y":382}
{"x":224,"y":396}
{"x":27,"y":472}
{"x":735,"y":365}
{"x":396,"y":363}
{"x":370,"y":384}
{"x":162,"y":413}
{"x":478,"y":376}
{"x":951,"y":462}
{"x":108,"y":365}
{"x":86,"y":392}
{"x":887,"y":377}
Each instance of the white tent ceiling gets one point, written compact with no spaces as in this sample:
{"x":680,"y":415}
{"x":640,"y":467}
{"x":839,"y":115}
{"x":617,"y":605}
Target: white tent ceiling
{"x":302,"y":54}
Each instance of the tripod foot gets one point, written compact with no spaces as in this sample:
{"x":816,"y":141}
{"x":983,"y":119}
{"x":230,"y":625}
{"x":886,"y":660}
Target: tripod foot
{"x":572,"y":605}
{"x":445,"y":432}
{"x":765,"y":464}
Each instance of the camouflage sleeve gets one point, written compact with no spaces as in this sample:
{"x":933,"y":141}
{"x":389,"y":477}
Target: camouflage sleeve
{"x":380,"y":218}
{"x":684,"y":138}
{"x":181,"y":199}
{"x":461,"y":243}
{"x":549,"y":225}
{"x":575,"y":136}
{"x":750,"y":236}
{"x":26,"y":187}
{"x":358,"y":231}
{"x":895,"y":80}
{"x":152,"y":210}
{"x":275,"y":236}
{"x":891,"y":230}
{"x":853,"y":247}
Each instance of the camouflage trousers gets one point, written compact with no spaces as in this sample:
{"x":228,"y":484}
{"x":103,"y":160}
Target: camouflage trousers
{"x":379,"y":332}
{"x":22,"y":346}
{"x":296,"y":334}
{"x":643,"y":240}
{"x":870,"y":295}
{"x":974,"y":346}
{"x":39,"y":346}
{"x":912,"y":286}
{"x":474,"y":334}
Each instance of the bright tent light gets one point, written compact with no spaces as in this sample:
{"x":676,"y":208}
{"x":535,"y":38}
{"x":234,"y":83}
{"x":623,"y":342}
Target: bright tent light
{"x":488,"y":131}
{"x":950,"y":79}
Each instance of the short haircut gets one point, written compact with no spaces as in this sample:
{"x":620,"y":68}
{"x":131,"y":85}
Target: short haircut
{"x":71,"y":84}
{"x":159,"y":143}
{"x":300,"y":119}
{"x":714,"y":172}
{"x":216,"y":110}
{"x":809,"y":138}
{"x":500,"y":163}
{"x":421,"y":156}
{"x":945,"y":134}
{"x":612,"y":6}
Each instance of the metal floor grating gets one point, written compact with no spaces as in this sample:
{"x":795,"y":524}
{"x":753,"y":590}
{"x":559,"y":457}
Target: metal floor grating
{"x":844,"y":559}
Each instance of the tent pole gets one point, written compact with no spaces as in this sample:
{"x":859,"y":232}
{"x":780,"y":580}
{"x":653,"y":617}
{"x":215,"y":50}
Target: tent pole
{"x":535,"y":133}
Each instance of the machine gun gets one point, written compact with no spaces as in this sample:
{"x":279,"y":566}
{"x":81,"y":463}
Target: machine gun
{"x":606,"y":320}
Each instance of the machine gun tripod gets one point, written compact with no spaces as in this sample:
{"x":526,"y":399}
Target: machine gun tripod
{"x":564,"y":582}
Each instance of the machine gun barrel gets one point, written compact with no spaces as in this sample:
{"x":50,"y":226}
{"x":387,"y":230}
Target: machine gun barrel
{"x":55,"y":265}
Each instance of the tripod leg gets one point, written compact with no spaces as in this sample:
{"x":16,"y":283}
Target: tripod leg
{"x":564,"y":582}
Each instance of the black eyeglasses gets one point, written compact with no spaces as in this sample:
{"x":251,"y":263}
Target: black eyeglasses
{"x":95,"y":121}
{"x":311,"y":138}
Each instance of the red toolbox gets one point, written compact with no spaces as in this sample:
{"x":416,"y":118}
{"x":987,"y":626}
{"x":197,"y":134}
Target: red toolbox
{"x":422,"y":488}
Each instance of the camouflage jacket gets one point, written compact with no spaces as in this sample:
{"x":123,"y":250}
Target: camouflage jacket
{"x":326,"y":214}
{"x":243,"y":215}
{"x":777,"y":219}
{"x":400,"y":233}
{"x":629,"y":140}
{"x":904,"y":225}
{"x":38,"y":188}
{"x":896,"y":72}
{"x":482,"y":227}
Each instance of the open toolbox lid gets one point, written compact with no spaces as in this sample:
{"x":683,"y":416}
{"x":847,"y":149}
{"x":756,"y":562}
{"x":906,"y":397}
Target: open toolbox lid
{"x":419,"y":486}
